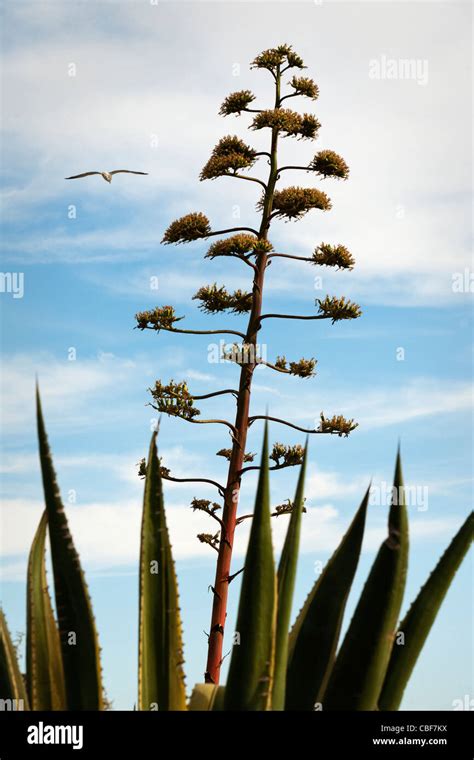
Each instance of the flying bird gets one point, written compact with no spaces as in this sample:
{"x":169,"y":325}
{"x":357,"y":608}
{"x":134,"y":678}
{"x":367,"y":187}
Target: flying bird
{"x":106,"y":175}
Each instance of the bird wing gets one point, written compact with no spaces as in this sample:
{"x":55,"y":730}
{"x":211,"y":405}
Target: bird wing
{"x":78,"y":176}
{"x":126,"y":171}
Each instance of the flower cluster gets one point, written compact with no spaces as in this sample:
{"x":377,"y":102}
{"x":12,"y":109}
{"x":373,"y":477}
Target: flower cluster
{"x":227,"y":453}
{"x":174,"y":399}
{"x":208,"y":538}
{"x":142,"y":468}
{"x":285,"y":509}
{"x":336,"y":424}
{"x":338,"y":308}
{"x":327,"y":163}
{"x":262,"y":246}
{"x":229,"y":155}
{"x":273,"y":58}
{"x":238,"y":245}
{"x":295,"y":202}
{"x":305,"y":86}
{"x":309,"y":127}
{"x":283,"y":119}
{"x":214,"y":299}
{"x":188,"y":228}
{"x":287,"y":455}
{"x":236,"y":102}
{"x":241,"y":302}
{"x":173,"y":390}
{"x":291,"y":123}
{"x":204,"y":505}
{"x":302,"y":368}
{"x":160,"y":318}
{"x":164,"y":471}
{"x":333,"y":256}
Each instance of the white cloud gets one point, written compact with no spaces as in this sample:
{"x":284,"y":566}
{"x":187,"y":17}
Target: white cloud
{"x":61,"y":382}
{"x":403,"y":213}
{"x":193,"y":374}
{"x":120,"y":468}
{"x":107,"y":535}
{"x":265,"y":388}
{"x":328,"y":485}
{"x":420,"y":397}
{"x":76,"y":393}
{"x":375,"y":407}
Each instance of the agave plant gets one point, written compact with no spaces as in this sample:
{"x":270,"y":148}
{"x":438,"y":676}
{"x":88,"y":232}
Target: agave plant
{"x":62,"y":655}
{"x":272,"y":666}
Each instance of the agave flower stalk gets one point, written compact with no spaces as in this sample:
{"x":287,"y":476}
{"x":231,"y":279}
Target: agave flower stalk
{"x":232,"y":157}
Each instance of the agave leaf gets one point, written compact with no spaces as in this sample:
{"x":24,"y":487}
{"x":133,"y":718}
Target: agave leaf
{"x":249,"y":683}
{"x":160,"y":653}
{"x":44,"y":666}
{"x":314,"y":636}
{"x":79,"y":642}
{"x":417,"y":623}
{"x":286,"y":583}
{"x":361,"y":664}
{"x":207,"y":696}
{"x":12,"y":685}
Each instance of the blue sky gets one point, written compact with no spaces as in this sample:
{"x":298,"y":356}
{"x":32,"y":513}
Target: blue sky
{"x":147,"y":88}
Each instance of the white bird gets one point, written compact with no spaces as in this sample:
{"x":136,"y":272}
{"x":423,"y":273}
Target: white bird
{"x":106,"y":175}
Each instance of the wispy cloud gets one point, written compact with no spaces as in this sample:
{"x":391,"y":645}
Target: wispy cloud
{"x":193,"y":374}
{"x":402,"y":211}
{"x":107,"y":534}
{"x":75,"y":392}
{"x":377,"y":406}
{"x":420,"y":397}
